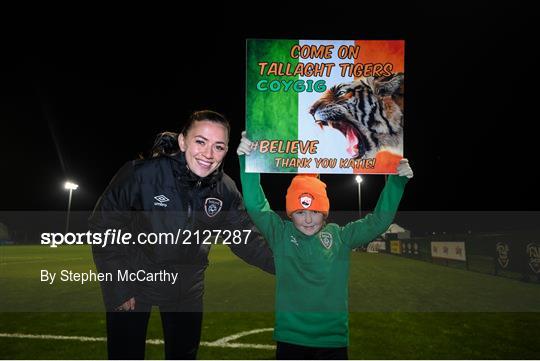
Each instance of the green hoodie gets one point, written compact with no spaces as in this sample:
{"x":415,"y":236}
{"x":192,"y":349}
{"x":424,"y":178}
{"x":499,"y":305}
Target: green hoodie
{"x":312,"y":272}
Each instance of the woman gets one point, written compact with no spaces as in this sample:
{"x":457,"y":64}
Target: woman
{"x":185,"y":191}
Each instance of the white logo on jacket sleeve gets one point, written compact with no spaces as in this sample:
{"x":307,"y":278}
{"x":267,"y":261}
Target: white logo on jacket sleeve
{"x":161,"y":200}
{"x":212,"y":206}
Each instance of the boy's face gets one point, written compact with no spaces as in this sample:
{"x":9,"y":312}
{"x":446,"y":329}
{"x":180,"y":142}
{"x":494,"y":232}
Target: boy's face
{"x":308,"y":222}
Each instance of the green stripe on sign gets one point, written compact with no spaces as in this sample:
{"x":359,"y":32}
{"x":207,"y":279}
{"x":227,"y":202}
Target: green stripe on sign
{"x":269,"y":114}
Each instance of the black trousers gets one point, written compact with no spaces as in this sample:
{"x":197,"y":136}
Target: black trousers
{"x":126,"y":333}
{"x":289,"y":351}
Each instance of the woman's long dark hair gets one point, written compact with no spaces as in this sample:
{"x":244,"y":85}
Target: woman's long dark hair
{"x":165,"y":143}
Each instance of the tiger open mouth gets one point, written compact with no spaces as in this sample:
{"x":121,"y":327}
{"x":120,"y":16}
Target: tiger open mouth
{"x":356,"y":141}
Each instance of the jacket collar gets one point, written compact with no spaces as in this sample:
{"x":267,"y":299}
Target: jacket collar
{"x":185,"y":175}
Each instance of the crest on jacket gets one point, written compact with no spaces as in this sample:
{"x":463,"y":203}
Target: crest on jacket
{"x":326,"y":239}
{"x":212,"y":206}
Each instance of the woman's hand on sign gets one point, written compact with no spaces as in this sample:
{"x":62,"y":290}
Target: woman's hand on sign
{"x":404,"y":169}
{"x":246,"y":145}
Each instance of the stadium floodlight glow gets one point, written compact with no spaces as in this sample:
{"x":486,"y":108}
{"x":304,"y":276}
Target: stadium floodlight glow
{"x":70,"y":185}
{"x":359,"y":180}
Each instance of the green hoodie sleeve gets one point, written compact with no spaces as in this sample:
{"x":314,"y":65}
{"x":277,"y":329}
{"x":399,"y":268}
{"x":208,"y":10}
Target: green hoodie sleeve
{"x":269,"y":223}
{"x":364,"y":230}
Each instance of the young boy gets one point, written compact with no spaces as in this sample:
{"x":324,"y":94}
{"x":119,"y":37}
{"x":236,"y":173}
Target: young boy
{"x":312,"y":259}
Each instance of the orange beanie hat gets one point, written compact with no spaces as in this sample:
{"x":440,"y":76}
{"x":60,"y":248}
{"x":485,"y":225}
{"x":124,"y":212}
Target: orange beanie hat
{"x":307,"y":192}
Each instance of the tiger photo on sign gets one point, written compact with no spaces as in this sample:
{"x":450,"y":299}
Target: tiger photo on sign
{"x":369,"y":114}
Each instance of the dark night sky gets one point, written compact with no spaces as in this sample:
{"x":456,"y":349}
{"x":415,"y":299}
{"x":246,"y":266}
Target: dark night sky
{"x":471,"y":98}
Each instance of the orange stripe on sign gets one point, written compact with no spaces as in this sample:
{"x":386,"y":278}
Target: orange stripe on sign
{"x":382,"y":51}
{"x":385,"y":162}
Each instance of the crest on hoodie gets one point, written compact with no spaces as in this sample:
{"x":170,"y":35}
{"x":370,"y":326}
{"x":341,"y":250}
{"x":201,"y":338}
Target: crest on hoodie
{"x":326,"y":239}
{"x":212,"y":206}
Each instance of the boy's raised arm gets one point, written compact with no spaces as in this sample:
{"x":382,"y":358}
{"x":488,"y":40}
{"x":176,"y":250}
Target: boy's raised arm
{"x":268,"y":222}
{"x":363,"y":231}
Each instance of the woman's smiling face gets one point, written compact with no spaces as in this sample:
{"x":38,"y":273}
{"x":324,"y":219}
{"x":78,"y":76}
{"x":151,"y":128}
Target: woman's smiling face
{"x":205,"y":146}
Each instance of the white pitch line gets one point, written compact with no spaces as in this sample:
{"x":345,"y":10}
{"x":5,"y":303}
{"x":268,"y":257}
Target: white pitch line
{"x":222,"y":342}
{"x":53,"y":337}
{"x":240,"y":345}
{"x":242,"y":334}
